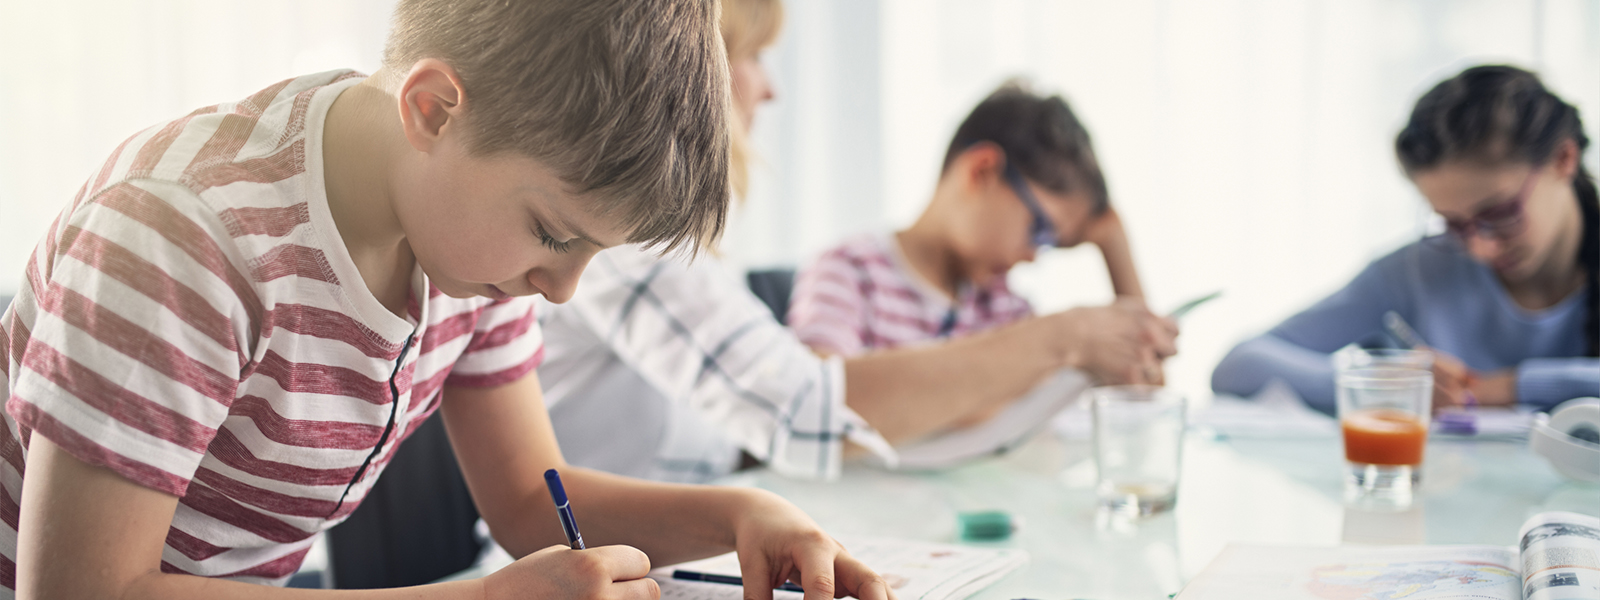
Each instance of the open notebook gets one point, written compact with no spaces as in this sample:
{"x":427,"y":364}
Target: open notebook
{"x":1557,"y":558}
{"x":915,"y":570}
{"x":1013,"y":426}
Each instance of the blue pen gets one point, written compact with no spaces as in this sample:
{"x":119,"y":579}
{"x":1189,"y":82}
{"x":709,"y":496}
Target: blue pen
{"x":563,"y":509}
{"x":729,"y":579}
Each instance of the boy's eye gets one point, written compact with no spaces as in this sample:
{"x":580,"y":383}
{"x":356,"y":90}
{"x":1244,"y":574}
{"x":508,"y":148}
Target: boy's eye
{"x":550,"y":242}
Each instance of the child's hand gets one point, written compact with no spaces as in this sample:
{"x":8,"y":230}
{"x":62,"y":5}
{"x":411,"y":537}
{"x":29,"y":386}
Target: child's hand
{"x":1118,"y":344}
{"x":561,"y":573}
{"x":777,"y":542}
{"x":1452,"y":381}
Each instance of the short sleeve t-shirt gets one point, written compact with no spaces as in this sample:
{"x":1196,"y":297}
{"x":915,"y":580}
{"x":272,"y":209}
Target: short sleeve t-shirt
{"x":194,"y":323}
{"x":863,"y":295}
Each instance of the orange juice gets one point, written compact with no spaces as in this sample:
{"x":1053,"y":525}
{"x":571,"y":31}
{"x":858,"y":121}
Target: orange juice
{"x":1383,"y":436}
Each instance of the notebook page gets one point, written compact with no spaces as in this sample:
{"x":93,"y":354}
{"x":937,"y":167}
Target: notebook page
{"x":915,"y":570}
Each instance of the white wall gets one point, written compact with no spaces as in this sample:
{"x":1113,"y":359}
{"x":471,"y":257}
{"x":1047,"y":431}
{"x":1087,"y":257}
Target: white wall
{"x":1246,"y":141}
{"x":80,"y":76}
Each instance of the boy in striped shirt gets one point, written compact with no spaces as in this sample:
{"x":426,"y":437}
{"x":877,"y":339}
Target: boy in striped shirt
{"x":223,"y":339}
{"x":1019,"y":175}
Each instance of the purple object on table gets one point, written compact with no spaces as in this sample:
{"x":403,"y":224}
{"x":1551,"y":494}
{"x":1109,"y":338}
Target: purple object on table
{"x":1456,"y":422}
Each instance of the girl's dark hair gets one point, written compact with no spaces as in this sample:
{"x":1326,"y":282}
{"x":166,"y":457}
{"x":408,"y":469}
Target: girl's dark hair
{"x":1039,"y":135}
{"x":1495,"y":114}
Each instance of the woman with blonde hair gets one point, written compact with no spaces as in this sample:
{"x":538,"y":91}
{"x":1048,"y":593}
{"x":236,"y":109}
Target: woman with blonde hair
{"x":671,"y":369}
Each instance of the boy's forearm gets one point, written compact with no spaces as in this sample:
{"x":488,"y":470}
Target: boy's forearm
{"x":908,"y":393}
{"x":1112,"y":240}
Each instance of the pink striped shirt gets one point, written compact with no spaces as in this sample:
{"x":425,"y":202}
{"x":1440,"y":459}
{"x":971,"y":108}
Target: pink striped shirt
{"x":194,"y":323}
{"x":863,"y":296}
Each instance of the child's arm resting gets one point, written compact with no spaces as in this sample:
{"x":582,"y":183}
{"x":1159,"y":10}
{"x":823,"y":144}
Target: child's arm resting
{"x":86,"y":532}
{"x":503,"y":439}
{"x":1108,"y":234}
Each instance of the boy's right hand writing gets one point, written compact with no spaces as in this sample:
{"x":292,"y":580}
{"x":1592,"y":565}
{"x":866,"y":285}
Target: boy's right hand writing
{"x":561,"y":573}
{"x":1118,"y":344}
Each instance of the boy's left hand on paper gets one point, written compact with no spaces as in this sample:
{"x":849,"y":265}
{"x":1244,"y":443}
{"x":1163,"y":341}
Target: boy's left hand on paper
{"x":777,"y":542}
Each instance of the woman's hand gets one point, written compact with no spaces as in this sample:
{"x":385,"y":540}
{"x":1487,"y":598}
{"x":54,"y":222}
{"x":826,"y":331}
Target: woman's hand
{"x":561,"y":573}
{"x":777,"y":542}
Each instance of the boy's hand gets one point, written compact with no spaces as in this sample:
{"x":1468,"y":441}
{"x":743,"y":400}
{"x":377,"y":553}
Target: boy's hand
{"x":777,"y":542}
{"x":1118,"y":344}
{"x":561,"y":573}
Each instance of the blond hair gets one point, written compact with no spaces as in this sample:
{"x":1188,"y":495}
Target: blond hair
{"x":626,"y":100}
{"x":747,"y":27}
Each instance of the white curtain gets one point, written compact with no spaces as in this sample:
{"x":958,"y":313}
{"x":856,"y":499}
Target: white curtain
{"x":1247,"y":142}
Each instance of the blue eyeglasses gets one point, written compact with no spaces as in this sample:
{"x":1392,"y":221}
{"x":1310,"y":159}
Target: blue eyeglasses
{"x":1042,"y":233}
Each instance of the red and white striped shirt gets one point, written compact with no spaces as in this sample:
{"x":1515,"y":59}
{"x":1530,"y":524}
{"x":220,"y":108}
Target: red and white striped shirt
{"x":194,"y":323}
{"x":863,"y":295}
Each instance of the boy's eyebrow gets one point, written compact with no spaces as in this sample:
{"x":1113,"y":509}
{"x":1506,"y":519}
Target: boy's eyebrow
{"x":575,"y":231}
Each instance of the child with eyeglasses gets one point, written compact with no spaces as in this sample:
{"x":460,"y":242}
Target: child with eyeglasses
{"x":1507,"y":296}
{"x":1019,"y":175}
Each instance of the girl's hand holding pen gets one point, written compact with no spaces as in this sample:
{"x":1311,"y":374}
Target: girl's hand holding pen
{"x":1452,"y":381}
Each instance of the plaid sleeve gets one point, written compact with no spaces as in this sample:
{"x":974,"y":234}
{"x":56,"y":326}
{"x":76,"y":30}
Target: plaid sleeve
{"x":129,"y":356}
{"x":700,"y":337}
{"x":506,"y":344}
{"x":828,"y":308}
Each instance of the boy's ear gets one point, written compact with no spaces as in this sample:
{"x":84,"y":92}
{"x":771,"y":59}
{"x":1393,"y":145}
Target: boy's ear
{"x":981,"y":165}
{"x":431,"y":98}
{"x":1565,"y":158}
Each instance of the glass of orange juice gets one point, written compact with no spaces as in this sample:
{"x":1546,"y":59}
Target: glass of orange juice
{"x":1384,"y":402}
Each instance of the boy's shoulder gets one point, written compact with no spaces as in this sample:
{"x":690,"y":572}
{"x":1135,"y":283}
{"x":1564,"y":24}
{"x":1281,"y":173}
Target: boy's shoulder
{"x":862,"y":251}
{"x":221,"y":199}
{"x":260,"y":139}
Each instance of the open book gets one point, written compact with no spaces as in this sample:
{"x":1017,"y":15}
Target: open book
{"x":915,"y":570}
{"x":1558,"y":558}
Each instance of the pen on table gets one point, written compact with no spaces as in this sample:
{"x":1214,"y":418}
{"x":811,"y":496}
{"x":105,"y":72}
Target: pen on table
{"x":563,"y":509}
{"x":728,"y":579}
{"x":1400,"y":329}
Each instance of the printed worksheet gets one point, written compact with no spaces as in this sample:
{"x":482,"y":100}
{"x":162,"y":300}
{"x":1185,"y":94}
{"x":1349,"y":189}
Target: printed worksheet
{"x":915,"y":570}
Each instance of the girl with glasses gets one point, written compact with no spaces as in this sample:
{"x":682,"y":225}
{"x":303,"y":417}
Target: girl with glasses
{"x":1506,"y":298}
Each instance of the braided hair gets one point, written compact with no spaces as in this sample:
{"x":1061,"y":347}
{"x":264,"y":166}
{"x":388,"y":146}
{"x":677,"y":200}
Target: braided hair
{"x":1498,"y":113}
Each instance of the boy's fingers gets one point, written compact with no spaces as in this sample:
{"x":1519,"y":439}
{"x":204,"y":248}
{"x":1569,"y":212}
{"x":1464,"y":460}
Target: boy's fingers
{"x":816,"y":572}
{"x":860,"y":581}
{"x":757,"y":578}
{"x":622,"y":562}
{"x":643,"y":588}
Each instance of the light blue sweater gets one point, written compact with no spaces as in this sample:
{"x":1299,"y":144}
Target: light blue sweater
{"x":1454,"y":303}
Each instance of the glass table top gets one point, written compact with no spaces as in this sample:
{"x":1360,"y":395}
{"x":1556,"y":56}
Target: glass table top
{"x":1264,"y":490}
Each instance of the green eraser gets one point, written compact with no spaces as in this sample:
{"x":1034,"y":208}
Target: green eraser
{"x":987,"y":525}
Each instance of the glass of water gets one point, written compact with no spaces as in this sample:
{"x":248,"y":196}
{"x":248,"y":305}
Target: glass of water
{"x":1138,"y":447}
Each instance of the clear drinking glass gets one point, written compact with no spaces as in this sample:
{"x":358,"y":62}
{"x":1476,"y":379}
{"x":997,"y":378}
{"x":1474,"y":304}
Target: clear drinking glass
{"x":1384,"y":403}
{"x":1138,"y":447}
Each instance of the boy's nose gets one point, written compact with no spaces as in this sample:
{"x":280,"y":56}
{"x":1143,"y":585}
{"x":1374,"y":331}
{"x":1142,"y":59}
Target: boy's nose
{"x":1485,"y":250}
{"x":558,"y":282}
